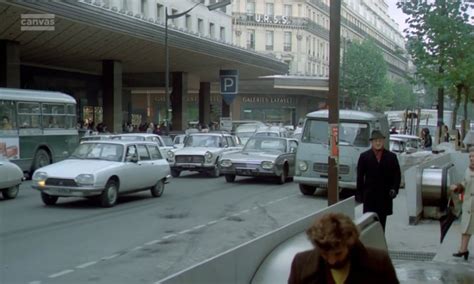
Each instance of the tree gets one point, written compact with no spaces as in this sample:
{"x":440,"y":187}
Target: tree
{"x":364,"y":75}
{"x":403,"y":95}
{"x":440,"y":43}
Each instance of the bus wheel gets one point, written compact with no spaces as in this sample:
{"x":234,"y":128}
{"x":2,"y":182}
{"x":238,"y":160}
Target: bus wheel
{"x":48,"y":199}
{"x":42,"y":159}
{"x":11,"y":192}
{"x":307,"y":189}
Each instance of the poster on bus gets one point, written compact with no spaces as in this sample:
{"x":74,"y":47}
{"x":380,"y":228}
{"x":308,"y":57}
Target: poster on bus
{"x":10,"y":148}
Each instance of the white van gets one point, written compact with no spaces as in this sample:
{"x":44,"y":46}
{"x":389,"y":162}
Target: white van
{"x":312,"y":154}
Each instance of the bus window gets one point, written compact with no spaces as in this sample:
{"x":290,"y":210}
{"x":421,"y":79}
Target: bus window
{"x":7,"y":116}
{"x":29,"y":115}
{"x":53,"y":115}
{"x":70,"y":116}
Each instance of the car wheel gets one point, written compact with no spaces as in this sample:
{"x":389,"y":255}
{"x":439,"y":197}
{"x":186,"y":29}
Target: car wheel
{"x":229,"y":178}
{"x":11,"y":192}
{"x":41,"y":159}
{"x":284,"y":175}
{"x":49,"y":199}
{"x":157,"y":189}
{"x":216,"y":172}
{"x":175,"y":173}
{"x":307,"y":189}
{"x":110,"y":194}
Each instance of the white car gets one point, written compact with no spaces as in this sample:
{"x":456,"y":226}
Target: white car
{"x":104,"y":169}
{"x":202,"y":153}
{"x":145,"y":137}
{"x":10,"y":178}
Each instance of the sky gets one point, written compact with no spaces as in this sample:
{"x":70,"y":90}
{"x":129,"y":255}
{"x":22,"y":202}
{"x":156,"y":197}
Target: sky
{"x":396,"y":14}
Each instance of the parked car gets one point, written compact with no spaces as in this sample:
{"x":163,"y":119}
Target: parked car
{"x":178,"y":141}
{"x":94,"y":137}
{"x":10,"y":178}
{"x":272,"y":131}
{"x":104,"y":169}
{"x":202,"y":153}
{"x":401,"y":143}
{"x":146,"y":137}
{"x":262,"y":157}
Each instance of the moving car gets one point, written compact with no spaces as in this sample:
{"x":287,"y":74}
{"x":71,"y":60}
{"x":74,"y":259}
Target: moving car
{"x":10,"y":178}
{"x":104,"y":169}
{"x":401,"y":143}
{"x":146,"y":137}
{"x":262,"y":156}
{"x":201,"y":153}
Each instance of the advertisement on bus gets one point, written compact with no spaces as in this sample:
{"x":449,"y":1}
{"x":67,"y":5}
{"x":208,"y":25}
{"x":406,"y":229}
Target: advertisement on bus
{"x":10,"y":147}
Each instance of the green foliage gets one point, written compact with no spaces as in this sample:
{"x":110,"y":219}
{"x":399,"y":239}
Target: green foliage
{"x":364,"y":75}
{"x":403,"y":96}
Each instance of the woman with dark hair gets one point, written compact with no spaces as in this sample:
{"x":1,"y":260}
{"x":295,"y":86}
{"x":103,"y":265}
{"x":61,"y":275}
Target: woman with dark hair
{"x":426,"y":137}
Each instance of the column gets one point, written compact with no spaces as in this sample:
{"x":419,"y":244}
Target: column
{"x":225,"y":109}
{"x":204,"y":102}
{"x":151,"y":10}
{"x":9,"y":64}
{"x":116,"y":5}
{"x":179,"y":84}
{"x":127,"y":104}
{"x":112,"y":95}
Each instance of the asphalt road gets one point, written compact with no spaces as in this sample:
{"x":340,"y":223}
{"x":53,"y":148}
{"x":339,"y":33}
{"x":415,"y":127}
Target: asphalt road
{"x":142,"y":239}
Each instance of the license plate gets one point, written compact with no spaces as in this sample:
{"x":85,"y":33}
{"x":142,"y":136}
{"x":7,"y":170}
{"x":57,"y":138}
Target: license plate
{"x":245,"y":172}
{"x":188,"y":166}
{"x":61,"y":190}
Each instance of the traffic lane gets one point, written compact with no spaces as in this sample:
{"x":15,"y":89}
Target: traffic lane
{"x":96,"y":233}
{"x":161,"y":257}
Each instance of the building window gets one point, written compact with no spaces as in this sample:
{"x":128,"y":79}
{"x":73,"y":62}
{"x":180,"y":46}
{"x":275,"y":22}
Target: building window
{"x":174,"y":11}
{"x":287,"y":10}
{"x":200,"y":26}
{"x":269,"y":40}
{"x":269,"y":9}
{"x":222,"y":34}
{"x":189,"y":23}
{"x":212,"y":32}
{"x":251,"y":39}
{"x":287,"y":41}
{"x":250,"y":7}
{"x":143,"y":7}
{"x":159,"y":11}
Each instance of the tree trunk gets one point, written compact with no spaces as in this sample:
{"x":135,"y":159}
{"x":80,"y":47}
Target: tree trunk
{"x":459,"y":89}
{"x":465,"y":125}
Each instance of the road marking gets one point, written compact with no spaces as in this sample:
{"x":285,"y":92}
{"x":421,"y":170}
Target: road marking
{"x":35,"y":282}
{"x":255,"y":208}
{"x":245,"y":211}
{"x":110,"y":257}
{"x":236,"y":214}
{"x":136,"y":248}
{"x":198,"y":227}
{"x":87,"y":264}
{"x":184,"y":231}
{"x":169,"y":236}
{"x":152,"y":242}
{"x":64,"y":272}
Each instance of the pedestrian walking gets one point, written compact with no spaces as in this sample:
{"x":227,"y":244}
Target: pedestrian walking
{"x":339,"y":256}
{"x":378,"y":178}
{"x":466,"y":187}
{"x":426,"y":137}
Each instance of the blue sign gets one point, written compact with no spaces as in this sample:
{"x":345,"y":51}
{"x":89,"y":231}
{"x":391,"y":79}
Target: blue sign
{"x":229,"y":85}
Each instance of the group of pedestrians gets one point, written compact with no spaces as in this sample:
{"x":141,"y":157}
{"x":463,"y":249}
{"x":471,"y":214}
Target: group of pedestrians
{"x":338,"y":255}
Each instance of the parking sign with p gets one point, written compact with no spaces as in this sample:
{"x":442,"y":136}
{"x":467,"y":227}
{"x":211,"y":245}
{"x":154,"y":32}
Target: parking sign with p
{"x":229,"y":84}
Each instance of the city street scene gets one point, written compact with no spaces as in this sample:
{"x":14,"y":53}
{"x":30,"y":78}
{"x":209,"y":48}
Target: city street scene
{"x":236,"y":141}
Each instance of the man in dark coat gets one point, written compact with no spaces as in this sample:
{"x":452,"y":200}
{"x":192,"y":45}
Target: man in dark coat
{"x":339,"y":256}
{"x":378,"y":178}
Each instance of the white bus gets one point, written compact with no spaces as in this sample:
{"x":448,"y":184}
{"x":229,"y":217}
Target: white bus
{"x":37,"y":128}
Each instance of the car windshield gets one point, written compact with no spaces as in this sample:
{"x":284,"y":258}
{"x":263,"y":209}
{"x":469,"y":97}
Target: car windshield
{"x":263,"y":144}
{"x":168,"y":141}
{"x":202,"y":141}
{"x":350,"y":133}
{"x":99,"y":151}
{"x":268,"y":134}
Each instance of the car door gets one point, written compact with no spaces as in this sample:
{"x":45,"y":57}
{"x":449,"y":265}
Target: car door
{"x":130,"y":173}
{"x":160,"y":166}
{"x":147,"y":175}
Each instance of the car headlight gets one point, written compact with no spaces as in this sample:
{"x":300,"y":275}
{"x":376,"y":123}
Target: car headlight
{"x":267,"y":165}
{"x":303,"y":166}
{"x":208,"y":156}
{"x":40,"y":176}
{"x":170,"y":155}
{"x":85,"y":179}
{"x":226,"y":163}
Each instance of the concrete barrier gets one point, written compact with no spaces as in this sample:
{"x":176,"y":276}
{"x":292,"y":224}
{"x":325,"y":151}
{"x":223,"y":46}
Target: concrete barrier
{"x":238,"y":265}
{"x":413,"y":177}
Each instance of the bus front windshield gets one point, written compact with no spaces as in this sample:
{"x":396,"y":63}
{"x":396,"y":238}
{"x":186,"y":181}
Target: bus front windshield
{"x":350,"y":133}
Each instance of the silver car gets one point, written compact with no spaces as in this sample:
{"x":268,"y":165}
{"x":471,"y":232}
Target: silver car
{"x":262,"y":156}
{"x":145,"y":137}
{"x":10,"y":178}
{"x":104,"y":169}
{"x":201,"y":153}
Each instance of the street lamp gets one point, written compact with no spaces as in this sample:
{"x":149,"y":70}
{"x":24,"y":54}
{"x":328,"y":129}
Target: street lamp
{"x":211,"y":7}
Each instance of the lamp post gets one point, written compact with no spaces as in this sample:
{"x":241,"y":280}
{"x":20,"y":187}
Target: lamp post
{"x":167,"y":59}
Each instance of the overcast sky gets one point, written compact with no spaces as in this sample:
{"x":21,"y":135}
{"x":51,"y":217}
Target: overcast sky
{"x":396,"y":14}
